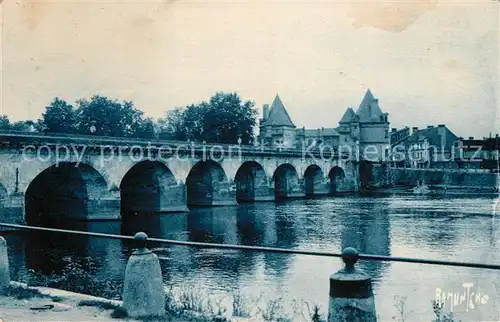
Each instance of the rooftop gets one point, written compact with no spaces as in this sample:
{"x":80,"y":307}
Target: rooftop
{"x":278,"y":116}
{"x":317,"y":132}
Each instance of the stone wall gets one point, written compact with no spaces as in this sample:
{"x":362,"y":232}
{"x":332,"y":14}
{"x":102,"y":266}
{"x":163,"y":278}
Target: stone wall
{"x":12,"y":210}
{"x":410,"y":177}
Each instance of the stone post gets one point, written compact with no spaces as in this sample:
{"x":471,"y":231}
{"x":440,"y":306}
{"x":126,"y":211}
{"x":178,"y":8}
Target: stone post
{"x":143,"y":290}
{"x":351,"y":295}
{"x":4,"y":265}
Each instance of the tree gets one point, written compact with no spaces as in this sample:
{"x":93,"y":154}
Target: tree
{"x":172,"y":125}
{"x":228,"y":118}
{"x":146,"y":129}
{"x":59,"y":117}
{"x":223,"y":119}
{"x":103,"y":116}
{"x":4,"y":122}
{"x":24,"y":126}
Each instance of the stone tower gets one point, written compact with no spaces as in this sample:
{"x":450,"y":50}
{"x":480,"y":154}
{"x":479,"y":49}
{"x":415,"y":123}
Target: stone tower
{"x":373,"y":129}
{"x":367,"y":129}
{"x":276,"y":126}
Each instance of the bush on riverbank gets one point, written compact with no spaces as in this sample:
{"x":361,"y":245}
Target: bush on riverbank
{"x":440,"y":315}
{"x":182,"y":299}
{"x":21,"y":293}
{"x":76,"y":276}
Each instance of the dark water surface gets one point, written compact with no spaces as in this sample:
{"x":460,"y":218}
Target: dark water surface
{"x":458,"y":228}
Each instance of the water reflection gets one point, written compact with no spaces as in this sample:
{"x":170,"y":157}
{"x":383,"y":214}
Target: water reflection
{"x":49,"y":253}
{"x":369,"y":233}
{"x":457,"y":229}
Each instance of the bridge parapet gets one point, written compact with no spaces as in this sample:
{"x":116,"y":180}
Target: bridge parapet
{"x":21,"y":140}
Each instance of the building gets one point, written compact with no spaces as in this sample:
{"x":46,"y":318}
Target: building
{"x":432,"y":147}
{"x":319,"y":137}
{"x":398,"y":135}
{"x":276,"y":128}
{"x":477,"y":153}
{"x":367,"y":129}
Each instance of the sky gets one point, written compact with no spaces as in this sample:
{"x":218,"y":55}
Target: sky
{"x":429,"y":62}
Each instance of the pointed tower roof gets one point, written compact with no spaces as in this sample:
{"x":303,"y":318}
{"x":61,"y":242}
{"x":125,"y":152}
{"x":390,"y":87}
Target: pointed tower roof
{"x":368,"y":98}
{"x":278,"y":116}
{"x":349,"y":116}
{"x":369,"y":110}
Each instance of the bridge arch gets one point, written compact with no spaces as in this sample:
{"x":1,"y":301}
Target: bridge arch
{"x":34,"y":166}
{"x":208,"y":185}
{"x":286,"y":182}
{"x":252,"y":183}
{"x":150,"y":187}
{"x":65,"y":191}
{"x":337,"y":177}
{"x":313,"y":180}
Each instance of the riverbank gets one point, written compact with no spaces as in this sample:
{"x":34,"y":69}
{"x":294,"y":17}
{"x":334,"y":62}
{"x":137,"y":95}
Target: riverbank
{"x":23,"y":303}
{"x":434,"y":190}
{"x":26,"y":303}
{"x":44,"y":309}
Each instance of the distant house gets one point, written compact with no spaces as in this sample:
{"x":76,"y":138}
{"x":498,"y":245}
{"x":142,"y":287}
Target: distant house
{"x":432,"y":147}
{"x":398,"y":135}
{"x":319,"y":137}
{"x":477,"y":153}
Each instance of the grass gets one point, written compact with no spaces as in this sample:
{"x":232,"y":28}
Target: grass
{"x":57,"y":299}
{"x":99,"y":304}
{"x":119,"y":313}
{"x":77,"y":270}
{"x":240,"y":305}
{"x":183,"y":301}
{"x":440,"y":315}
{"x":22,"y":293}
{"x":315,"y":314}
{"x":400,"y":306}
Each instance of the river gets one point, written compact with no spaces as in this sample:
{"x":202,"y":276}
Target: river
{"x":446,"y":228}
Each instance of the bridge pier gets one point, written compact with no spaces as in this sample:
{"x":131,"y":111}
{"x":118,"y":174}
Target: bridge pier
{"x":205,"y":194}
{"x":339,"y":182}
{"x":315,"y":183}
{"x":318,"y":187}
{"x":208,"y":185}
{"x":173,"y":199}
{"x":252,"y":185}
{"x":12,"y":209}
{"x":289,"y":188}
{"x":154,"y":199}
{"x":223,"y":194}
{"x":263,"y":193}
{"x":103,"y":209}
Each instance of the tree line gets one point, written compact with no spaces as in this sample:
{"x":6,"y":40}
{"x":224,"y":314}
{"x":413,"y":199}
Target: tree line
{"x":224,"y":118}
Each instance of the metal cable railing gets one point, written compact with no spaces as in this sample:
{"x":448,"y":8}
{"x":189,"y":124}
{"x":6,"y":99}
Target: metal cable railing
{"x":262,"y":249}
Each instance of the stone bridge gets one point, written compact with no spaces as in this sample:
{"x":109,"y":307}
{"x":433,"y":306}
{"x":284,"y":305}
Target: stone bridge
{"x":90,"y":178}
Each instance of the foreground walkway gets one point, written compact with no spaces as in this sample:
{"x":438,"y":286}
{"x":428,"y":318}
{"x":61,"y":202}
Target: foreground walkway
{"x":25,"y":303}
{"x":45,"y":309}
